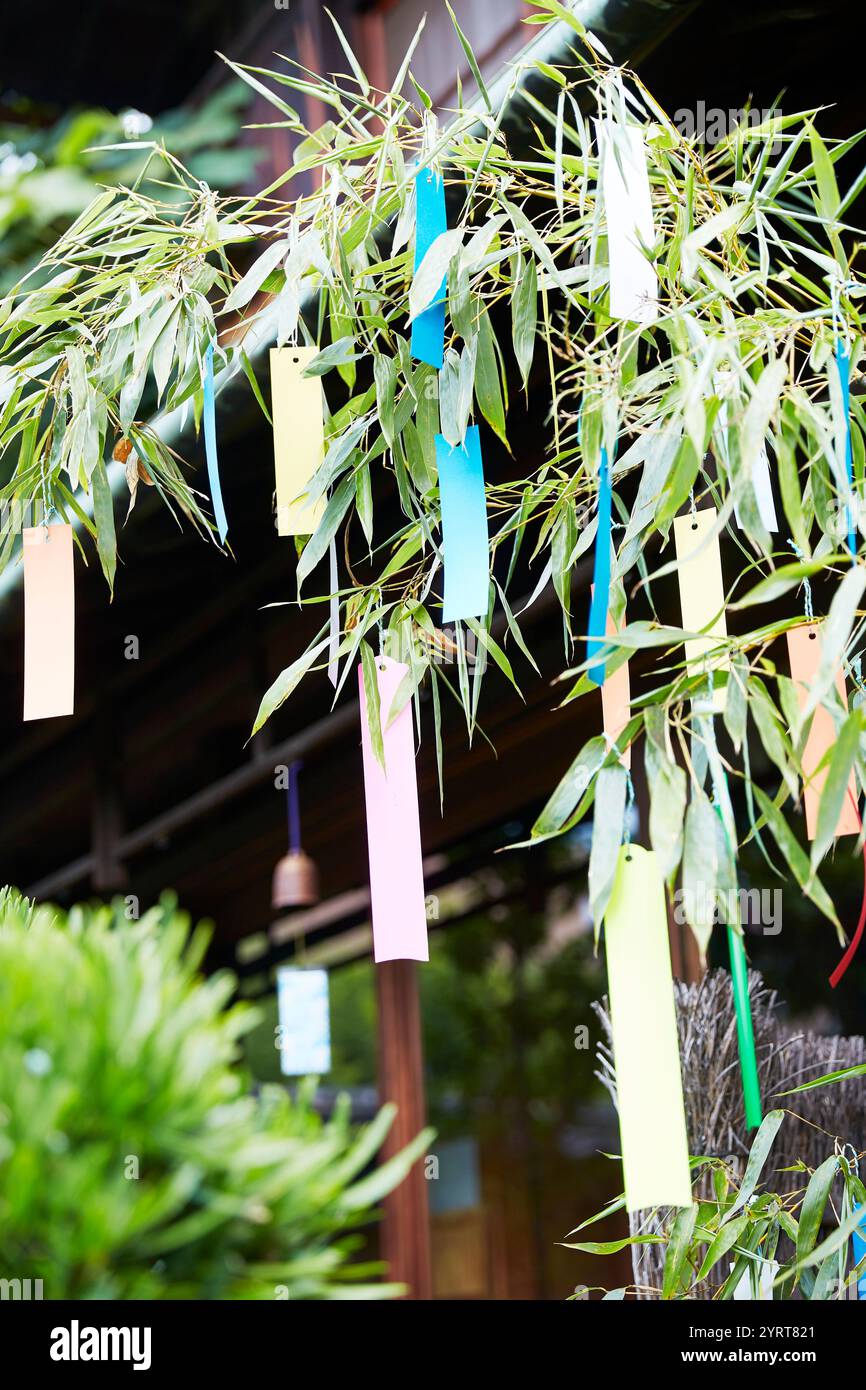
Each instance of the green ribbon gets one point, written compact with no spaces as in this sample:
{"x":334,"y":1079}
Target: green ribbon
{"x":745,"y":1032}
{"x":737,"y":953}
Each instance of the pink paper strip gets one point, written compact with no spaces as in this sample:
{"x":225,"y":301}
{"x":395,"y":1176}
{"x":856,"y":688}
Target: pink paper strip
{"x":49,"y":621}
{"x":393,"y":827}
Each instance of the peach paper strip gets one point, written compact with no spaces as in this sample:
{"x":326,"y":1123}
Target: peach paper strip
{"x":49,"y":621}
{"x":804,"y":656}
{"x":616,"y":697}
{"x":393,"y":826}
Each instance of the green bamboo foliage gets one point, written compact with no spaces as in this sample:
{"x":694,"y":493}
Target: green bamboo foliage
{"x":753,"y":254}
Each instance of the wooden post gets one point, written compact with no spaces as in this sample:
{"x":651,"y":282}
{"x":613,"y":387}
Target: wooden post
{"x":406,"y":1225}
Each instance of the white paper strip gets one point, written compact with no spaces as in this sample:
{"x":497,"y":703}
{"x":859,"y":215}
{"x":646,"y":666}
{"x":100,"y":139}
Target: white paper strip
{"x":760,"y":478}
{"x":628,"y":212}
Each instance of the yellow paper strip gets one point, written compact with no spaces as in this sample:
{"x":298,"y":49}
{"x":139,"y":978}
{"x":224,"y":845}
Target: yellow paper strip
{"x":652,"y":1121}
{"x":804,"y":657}
{"x":299,"y":438}
{"x":49,"y":621}
{"x":702,"y":593}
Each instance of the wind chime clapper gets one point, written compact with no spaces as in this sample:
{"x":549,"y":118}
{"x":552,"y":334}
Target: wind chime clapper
{"x":296,"y":878}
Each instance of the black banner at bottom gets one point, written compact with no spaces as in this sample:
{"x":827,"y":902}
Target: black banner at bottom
{"x":69,"y":1340}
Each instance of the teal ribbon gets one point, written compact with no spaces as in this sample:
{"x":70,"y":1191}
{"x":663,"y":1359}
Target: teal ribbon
{"x":858,"y":1251}
{"x":600,"y":573}
{"x":739,"y":969}
{"x":843,"y":365}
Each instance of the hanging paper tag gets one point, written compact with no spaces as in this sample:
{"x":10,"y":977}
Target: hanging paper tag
{"x":702,"y":594}
{"x":761,"y":484}
{"x":843,"y":365}
{"x":428,"y":329}
{"x":652,"y":1119}
{"x":601,"y":572}
{"x":213,"y":472}
{"x":305,"y":1024}
{"x":49,"y":621}
{"x":616,"y":698}
{"x":393,"y":826}
{"x":299,"y":438}
{"x":763,"y":493}
{"x":464,"y":527}
{"x":804,"y":658}
{"x":628,"y":211}
{"x":766,"y":1277}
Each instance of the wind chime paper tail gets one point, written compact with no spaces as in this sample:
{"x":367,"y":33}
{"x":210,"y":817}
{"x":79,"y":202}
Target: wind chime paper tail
{"x":305,"y":1021}
{"x":652,"y":1119}
{"x":210,"y":445}
{"x":299,"y":439}
{"x":393,"y":826}
{"x":428,"y":329}
{"x":464,"y":527}
{"x":702,"y":593}
{"x":600,"y":599}
{"x":49,"y":621}
{"x":745,"y":1031}
{"x":625,"y":184}
{"x":616,"y":698}
{"x":804,"y":658}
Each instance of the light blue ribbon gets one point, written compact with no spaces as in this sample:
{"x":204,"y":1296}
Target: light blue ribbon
{"x":843,"y":363}
{"x":464,"y":527}
{"x":601,"y":572}
{"x":213,"y":472}
{"x":428,"y":329}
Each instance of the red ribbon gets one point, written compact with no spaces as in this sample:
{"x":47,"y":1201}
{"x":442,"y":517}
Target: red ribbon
{"x":855,"y":940}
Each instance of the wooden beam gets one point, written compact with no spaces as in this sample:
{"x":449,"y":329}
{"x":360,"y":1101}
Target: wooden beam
{"x":406,"y":1227}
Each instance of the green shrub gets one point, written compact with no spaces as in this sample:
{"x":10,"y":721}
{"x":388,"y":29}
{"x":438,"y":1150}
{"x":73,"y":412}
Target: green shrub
{"x":135,"y":1159}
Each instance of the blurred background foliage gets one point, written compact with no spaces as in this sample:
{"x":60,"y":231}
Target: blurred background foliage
{"x":137,"y":1159}
{"x":52,"y":166}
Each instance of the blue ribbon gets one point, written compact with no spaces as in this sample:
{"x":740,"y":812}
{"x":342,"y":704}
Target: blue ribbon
{"x":858,"y":1250}
{"x":600,"y":573}
{"x":428,"y":329}
{"x":843,"y":363}
{"x":213,"y":472}
{"x":464,"y":527}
